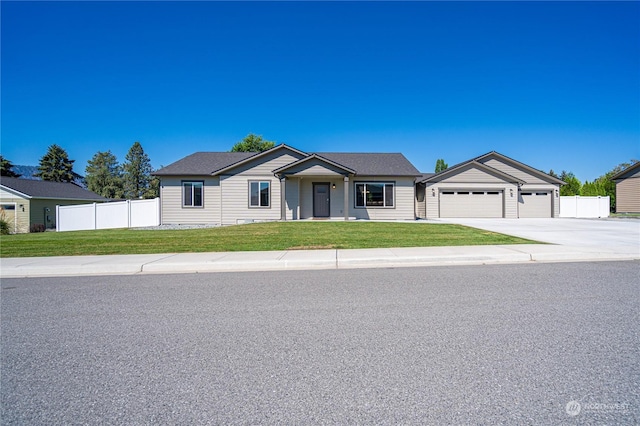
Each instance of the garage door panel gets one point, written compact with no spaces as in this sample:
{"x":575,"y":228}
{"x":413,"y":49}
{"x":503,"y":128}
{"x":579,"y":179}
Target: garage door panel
{"x":534,"y":204}
{"x":471,"y":204}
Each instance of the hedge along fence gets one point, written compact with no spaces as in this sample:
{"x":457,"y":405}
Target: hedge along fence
{"x":120,"y":214}
{"x":585,"y":207}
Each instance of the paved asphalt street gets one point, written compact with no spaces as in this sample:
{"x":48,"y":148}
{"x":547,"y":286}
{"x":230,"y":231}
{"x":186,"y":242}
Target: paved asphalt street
{"x":516,"y":344}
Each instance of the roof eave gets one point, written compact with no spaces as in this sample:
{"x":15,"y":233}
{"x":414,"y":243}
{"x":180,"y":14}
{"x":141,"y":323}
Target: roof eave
{"x":529,"y":168}
{"x":257,"y":155}
{"x":508,"y":177}
{"x":15,"y":191}
{"x":280,"y":170}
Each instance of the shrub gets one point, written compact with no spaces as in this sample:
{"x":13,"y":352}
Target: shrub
{"x":36,"y":227}
{"x":4,"y":227}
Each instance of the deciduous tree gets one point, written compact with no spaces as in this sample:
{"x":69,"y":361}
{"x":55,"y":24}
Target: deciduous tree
{"x":573,"y":184}
{"x":252,"y":143}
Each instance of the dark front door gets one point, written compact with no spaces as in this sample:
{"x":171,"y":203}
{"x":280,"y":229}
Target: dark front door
{"x":321,"y":200}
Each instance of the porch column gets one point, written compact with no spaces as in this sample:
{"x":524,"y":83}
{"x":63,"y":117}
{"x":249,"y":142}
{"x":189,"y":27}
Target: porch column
{"x":346,"y":198}
{"x":283,"y":200}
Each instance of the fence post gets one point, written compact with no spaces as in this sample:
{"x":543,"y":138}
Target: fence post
{"x":157,"y":209}
{"x":57,"y":218}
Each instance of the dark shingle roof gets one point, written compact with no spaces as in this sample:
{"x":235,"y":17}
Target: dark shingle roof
{"x":203,"y":163}
{"x":424,"y":176}
{"x":621,"y":174}
{"x":47,"y":189}
{"x":371,"y":164}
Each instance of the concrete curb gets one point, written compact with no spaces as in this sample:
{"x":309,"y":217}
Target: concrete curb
{"x":304,"y":260}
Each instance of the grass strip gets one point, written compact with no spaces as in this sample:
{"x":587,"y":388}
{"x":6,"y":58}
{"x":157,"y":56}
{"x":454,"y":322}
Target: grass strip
{"x":251,"y":237}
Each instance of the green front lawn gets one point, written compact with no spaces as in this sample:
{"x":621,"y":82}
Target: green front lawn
{"x":253,"y":237}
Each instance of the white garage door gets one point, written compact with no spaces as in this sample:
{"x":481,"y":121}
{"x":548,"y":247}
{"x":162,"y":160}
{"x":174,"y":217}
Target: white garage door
{"x":471,"y":204}
{"x":534,"y":204}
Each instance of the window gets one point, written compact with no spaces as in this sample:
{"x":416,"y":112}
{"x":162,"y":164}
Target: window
{"x":259,"y":193}
{"x":544,"y":194}
{"x":478,"y":192}
{"x":192,"y":194}
{"x":374,"y":195}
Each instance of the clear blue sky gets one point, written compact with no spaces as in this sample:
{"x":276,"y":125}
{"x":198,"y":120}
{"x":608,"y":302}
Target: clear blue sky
{"x":553,"y":84}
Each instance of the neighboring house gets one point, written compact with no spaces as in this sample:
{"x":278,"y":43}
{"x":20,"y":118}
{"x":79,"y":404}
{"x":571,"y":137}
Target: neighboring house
{"x":628,"y":189}
{"x":285,"y":183}
{"x":26,"y":202}
{"x":491,"y":185}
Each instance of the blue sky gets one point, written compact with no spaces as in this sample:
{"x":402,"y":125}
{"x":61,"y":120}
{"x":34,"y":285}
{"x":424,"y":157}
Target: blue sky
{"x":555,"y":85}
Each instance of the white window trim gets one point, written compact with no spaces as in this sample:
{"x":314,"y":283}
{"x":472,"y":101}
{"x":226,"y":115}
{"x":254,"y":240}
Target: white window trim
{"x":193,"y":183}
{"x":259,"y":182}
{"x":384,"y":194}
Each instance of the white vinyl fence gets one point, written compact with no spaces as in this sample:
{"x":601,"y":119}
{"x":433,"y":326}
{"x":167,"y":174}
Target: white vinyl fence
{"x":120,"y":214}
{"x":577,"y":206}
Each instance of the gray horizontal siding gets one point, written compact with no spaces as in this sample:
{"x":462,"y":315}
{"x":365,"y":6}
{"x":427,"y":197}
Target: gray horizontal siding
{"x":265,"y":165}
{"x":512,"y":170}
{"x":235,"y":199}
{"x":404,"y":208}
{"x":172,"y":211}
{"x":628,"y":195}
{"x":472,"y":174}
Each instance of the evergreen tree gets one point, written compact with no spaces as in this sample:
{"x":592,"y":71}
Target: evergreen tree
{"x":441,"y":165}
{"x":553,"y":174}
{"x":56,"y":166}
{"x":137,"y":173}
{"x":6,"y":168}
{"x":252,"y":143}
{"x":104,"y":175}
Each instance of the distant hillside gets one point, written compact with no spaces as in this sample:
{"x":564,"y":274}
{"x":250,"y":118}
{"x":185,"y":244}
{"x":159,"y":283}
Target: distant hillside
{"x":28,"y":172}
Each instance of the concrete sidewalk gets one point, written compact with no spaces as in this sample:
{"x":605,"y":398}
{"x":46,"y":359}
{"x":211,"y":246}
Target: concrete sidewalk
{"x":307,"y":259}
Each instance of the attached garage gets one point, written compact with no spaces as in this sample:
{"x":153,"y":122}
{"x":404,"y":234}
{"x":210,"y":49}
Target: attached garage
{"x":471,"y":203}
{"x":535,"y":204}
{"x":489,"y":186}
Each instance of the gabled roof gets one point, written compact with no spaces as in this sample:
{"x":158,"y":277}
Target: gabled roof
{"x":215,"y":163}
{"x":373,"y":164}
{"x":50,"y":190}
{"x":488,"y":169}
{"x":632,"y":168}
{"x":506,"y":176}
{"x":530,"y":169}
{"x":203,"y":163}
{"x":257,"y":155}
{"x":424,"y":177}
{"x":312,"y":157}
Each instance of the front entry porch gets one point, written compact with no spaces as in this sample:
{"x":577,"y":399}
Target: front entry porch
{"x":314,"y":197}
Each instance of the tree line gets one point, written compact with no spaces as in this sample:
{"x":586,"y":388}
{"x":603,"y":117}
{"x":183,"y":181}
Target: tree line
{"x":103,"y":174}
{"x":603,"y":185}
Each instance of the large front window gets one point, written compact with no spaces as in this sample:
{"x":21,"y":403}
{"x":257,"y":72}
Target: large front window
{"x":192,"y":194}
{"x":259,"y":193}
{"x":373,"y":194}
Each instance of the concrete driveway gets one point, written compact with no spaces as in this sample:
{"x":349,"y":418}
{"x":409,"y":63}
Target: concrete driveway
{"x":619,"y":233}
